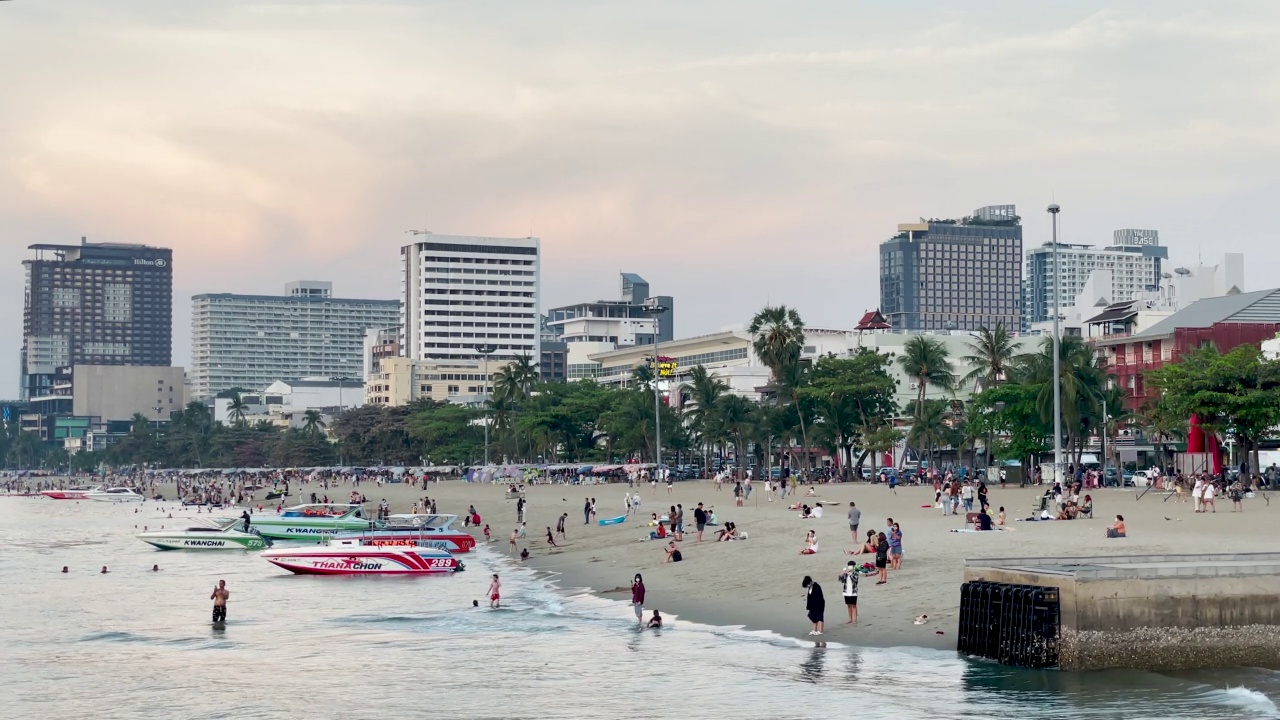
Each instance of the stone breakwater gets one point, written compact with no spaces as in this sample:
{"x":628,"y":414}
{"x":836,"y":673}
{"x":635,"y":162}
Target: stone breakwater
{"x":1165,"y":649}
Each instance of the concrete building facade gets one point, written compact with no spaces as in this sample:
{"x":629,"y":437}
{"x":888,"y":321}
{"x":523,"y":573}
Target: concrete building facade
{"x":954,"y":274}
{"x":462,"y":294}
{"x":400,"y":381}
{"x":250,"y":341}
{"x":97,"y":304}
{"x":1134,"y":263}
{"x":622,"y":322}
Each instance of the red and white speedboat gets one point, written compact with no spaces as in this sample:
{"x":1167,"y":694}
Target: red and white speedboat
{"x":351,"y":557}
{"x":432,"y":531}
{"x":72,"y":493}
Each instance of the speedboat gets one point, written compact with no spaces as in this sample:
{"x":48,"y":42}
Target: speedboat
{"x":351,"y":557}
{"x":72,"y":493}
{"x":115,"y":494}
{"x":425,"y":530}
{"x":310,"y":522}
{"x":213,"y":535}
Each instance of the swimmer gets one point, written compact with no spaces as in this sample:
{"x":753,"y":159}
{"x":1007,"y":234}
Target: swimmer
{"x":155,"y":568}
{"x":524,"y":554}
{"x":104,"y":570}
{"x":656,"y":620}
{"x":65,"y":570}
{"x":475,"y":603}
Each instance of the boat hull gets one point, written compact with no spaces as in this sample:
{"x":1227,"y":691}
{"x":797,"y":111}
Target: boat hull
{"x":217,"y":542}
{"x":116,"y":498}
{"x":450,"y":542}
{"x":370,"y":561}
{"x":313,"y":531}
{"x":64,"y":494}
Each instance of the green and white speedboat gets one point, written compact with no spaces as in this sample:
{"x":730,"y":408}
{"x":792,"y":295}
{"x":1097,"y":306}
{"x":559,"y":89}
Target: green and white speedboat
{"x":213,"y":535}
{"x":310,"y":522}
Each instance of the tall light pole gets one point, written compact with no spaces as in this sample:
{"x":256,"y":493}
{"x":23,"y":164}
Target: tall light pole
{"x":655,"y":309}
{"x":1057,"y":354}
{"x":485,"y":351}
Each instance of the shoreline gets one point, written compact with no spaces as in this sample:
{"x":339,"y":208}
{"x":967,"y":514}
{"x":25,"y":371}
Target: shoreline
{"x":755,"y":583}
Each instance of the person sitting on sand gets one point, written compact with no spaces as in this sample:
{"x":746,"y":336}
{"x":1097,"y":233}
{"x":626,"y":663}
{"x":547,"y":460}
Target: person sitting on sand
{"x":653,"y":520}
{"x":984,"y":520}
{"x":811,"y":492}
{"x":673,"y":553}
{"x":1117,"y":530}
{"x":728,"y":533}
{"x":868,"y":547}
{"x":661,"y":534}
{"x":810,"y":543}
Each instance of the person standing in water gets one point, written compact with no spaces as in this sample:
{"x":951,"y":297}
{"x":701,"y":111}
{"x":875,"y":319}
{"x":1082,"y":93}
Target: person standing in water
{"x":219,"y":598}
{"x":637,"y":598}
{"x":495,"y":592}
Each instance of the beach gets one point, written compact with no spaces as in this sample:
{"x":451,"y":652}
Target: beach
{"x":755,"y":583}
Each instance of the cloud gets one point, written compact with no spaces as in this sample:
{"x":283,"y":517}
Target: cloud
{"x":731,"y":152}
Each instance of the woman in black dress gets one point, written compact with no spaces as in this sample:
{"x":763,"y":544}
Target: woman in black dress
{"x":814,"y":603}
{"x":882,"y":558}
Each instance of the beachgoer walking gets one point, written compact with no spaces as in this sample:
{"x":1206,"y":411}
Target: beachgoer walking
{"x":814,"y":604}
{"x":637,"y":598}
{"x":551,"y":540}
{"x":1210,"y":490}
{"x":586,"y":511}
{"x":700,"y":520}
{"x":849,"y":588}
{"x":219,"y":598}
{"x":511,"y":541}
{"x":855,"y":517}
{"x":560,"y":526}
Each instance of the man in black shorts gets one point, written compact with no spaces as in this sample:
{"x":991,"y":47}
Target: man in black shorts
{"x":219,"y":598}
{"x":700,"y":520}
{"x":849,"y":588}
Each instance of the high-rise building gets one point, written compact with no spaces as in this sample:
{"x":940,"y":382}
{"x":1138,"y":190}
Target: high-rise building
{"x":1134,"y":260}
{"x":954,"y":274}
{"x":94,"y":304}
{"x":251,"y":341}
{"x":462,"y":294}
{"x":627,"y":321}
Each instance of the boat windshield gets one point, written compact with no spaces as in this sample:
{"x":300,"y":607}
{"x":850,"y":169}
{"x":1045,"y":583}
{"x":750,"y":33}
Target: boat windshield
{"x":419,"y":522}
{"x":321,"y":510}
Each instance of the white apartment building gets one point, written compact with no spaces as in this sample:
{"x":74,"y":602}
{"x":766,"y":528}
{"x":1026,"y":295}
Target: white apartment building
{"x":461,"y":295}
{"x":251,"y":341}
{"x":1134,"y":260}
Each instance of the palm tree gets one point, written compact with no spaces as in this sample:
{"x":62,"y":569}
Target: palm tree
{"x":926,"y":361}
{"x":312,"y":422}
{"x":929,"y":427}
{"x":236,"y":410}
{"x":1083,"y":380}
{"x":778,"y":334}
{"x":991,"y":354}
{"x":705,"y":391}
{"x":738,"y":415}
{"x":516,"y":379}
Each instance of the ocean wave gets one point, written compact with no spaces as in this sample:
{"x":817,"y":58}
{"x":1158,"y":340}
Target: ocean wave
{"x":1247,"y":698}
{"x":116,"y":636}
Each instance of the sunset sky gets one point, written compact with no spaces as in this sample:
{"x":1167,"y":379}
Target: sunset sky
{"x":734,"y":153}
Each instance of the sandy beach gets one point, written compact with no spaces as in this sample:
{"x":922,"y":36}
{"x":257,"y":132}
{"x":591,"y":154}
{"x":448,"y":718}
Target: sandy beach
{"x":756,"y":583}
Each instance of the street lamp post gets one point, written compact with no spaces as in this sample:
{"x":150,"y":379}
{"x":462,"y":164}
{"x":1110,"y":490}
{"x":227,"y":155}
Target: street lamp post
{"x":1057,"y":354}
{"x":485,"y":351}
{"x":655,"y":309}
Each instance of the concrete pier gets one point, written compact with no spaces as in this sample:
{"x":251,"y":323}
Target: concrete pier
{"x":1156,"y":612}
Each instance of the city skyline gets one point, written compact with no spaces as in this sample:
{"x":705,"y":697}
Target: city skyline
{"x":750,"y":156}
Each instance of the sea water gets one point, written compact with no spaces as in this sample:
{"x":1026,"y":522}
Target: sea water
{"x":139,"y":644}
